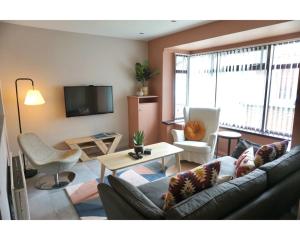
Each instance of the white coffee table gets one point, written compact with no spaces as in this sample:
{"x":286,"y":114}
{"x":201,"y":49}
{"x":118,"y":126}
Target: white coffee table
{"x":120,"y":160}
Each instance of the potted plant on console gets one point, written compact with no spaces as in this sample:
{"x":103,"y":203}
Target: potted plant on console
{"x":143,"y":73}
{"x":138,"y":141}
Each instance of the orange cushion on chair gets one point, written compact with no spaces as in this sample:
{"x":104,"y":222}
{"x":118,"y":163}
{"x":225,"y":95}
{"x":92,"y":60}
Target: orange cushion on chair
{"x":194,"y":130}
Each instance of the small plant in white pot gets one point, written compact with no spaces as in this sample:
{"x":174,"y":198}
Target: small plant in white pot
{"x":138,"y":141}
{"x":143,"y":73}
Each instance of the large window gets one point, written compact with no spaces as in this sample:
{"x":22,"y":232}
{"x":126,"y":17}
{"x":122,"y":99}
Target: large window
{"x":181,"y":84}
{"x":255,"y":87}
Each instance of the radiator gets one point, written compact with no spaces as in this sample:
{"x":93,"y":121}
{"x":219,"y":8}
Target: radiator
{"x":19,"y":190}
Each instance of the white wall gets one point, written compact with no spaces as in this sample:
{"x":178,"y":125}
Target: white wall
{"x":54,"y":59}
{"x":4,"y":158}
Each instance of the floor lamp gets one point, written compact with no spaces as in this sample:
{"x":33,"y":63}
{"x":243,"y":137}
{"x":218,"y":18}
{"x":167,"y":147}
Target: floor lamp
{"x":33,"y":97}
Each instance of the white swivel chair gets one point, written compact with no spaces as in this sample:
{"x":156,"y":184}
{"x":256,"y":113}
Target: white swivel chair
{"x":199,"y":151}
{"x":49,"y":160}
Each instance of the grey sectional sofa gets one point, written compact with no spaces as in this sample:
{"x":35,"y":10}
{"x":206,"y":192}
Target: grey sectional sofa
{"x":265,"y":193}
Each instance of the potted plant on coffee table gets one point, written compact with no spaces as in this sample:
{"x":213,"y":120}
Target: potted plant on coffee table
{"x":143,"y":73}
{"x":138,"y":141}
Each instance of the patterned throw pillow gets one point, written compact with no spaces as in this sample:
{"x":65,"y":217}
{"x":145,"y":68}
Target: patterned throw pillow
{"x":242,"y":146}
{"x":188,"y":183}
{"x":194,"y":130}
{"x":245,"y":163}
{"x":270,"y":152}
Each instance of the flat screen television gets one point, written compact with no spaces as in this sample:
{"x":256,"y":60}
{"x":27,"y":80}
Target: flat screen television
{"x":88,"y":100}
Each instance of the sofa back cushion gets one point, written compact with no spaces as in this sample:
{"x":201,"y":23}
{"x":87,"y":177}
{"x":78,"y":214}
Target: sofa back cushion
{"x":135,"y":197}
{"x":188,"y":183}
{"x":283,"y":166}
{"x":219,"y":201}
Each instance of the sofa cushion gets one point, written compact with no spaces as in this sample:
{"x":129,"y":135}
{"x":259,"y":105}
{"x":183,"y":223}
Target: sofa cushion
{"x":224,"y":178}
{"x":245,"y":163}
{"x":115,"y":206}
{"x":188,"y":183}
{"x":227,"y":166}
{"x":283,"y":166}
{"x":155,"y":190}
{"x":242,"y":145}
{"x":135,"y":198}
{"x":193,"y":146}
{"x":219,"y":201}
{"x":272,"y":203}
{"x":268,"y":153}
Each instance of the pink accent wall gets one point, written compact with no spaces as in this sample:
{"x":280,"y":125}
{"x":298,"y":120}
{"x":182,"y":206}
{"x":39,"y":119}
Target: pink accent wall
{"x":161,"y":56}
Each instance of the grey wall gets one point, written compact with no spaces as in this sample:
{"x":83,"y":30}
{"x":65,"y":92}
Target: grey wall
{"x":54,"y":59}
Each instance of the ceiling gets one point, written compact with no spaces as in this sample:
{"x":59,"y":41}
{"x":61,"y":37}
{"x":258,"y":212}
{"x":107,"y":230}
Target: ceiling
{"x":144,"y":30}
{"x":244,"y":36}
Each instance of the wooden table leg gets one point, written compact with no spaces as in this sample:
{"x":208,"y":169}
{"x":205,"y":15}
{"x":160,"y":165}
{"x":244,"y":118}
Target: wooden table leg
{"x":102,"y":173}
{"x":178,"y":162}
{"x":229,"y":146}
{"x":163,"y":164}
{"x":217,"y":147}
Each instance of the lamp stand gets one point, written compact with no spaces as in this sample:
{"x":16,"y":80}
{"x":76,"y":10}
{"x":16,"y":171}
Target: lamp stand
{"x":27,"y":172}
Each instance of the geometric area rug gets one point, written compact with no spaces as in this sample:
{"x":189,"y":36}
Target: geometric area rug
{"x":85,"y":197}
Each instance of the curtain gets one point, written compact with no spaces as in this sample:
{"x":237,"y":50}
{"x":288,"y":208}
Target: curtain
{"x":202,"y":80}
{"x":181,"y":81}
{"x":283,"y":88}
{"x":241,"y":87}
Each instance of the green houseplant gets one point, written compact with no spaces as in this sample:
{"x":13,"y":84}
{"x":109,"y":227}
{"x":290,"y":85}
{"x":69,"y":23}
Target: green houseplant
{"x":138,"y":141}
{"x":143,"y":73}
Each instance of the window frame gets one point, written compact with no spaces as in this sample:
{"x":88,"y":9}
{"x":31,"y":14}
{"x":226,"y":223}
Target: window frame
{"x":270,"y":53}
{"x":187,"y":83}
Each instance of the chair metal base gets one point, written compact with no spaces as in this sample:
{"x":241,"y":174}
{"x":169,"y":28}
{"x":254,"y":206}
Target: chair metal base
{"x":57,"y":181}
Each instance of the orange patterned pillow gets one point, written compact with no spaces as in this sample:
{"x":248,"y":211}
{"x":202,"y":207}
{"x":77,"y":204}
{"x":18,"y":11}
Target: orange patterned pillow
{"x":194,"y":130}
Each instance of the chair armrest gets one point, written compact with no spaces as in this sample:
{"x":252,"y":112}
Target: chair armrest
{"x":212,"y":139}
{"x":212,"y":142}
{"x":178,"y":135}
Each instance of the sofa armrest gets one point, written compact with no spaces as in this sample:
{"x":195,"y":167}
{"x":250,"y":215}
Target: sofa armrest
{"x":178,"y":135}
{"x":115,"y":207}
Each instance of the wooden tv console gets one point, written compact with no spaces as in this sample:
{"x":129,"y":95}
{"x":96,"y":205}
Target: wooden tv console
{"x":95,"y":146}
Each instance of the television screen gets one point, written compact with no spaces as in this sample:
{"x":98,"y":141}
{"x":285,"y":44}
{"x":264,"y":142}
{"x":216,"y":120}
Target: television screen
{"x":88,"y":100}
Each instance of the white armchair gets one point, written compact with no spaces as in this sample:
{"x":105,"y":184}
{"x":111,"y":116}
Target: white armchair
{"x":49,"y":160}
{"x":199,"y":151}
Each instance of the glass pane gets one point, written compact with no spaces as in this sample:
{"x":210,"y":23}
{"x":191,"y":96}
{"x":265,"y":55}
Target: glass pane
{"x":180,"y":94}
{"x":283,"y":89}
{"x":202,"y":80}
{"x":241,"y":90}
{"x":181,"y":63}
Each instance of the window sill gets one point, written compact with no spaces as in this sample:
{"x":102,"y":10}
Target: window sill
{"x":175,"y":121}
{"x":262,"y":134}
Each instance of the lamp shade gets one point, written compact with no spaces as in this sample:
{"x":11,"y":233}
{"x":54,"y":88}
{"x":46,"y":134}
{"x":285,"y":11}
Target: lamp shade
{"x":34,"y":97}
